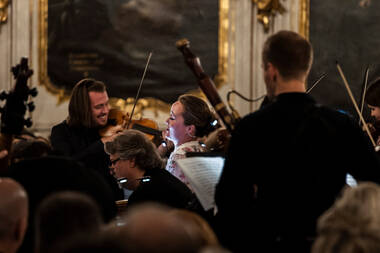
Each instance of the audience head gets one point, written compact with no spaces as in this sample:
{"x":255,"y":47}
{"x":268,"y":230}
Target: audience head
{"x":25,"y":135}
{"x":88,"y":106}
{"x":45,"y":175}
{"x":13,"y":215}
{"x":63,"y":215}
{"x":352,"y":224}
{"x":152,"y":228}
{"x":197,"y":223}
{"x":29,"y":148}
{"x":190,"y":118}
{"x":214,"y":249}
{"x":94,"y":243}
{"x":131,"y":154}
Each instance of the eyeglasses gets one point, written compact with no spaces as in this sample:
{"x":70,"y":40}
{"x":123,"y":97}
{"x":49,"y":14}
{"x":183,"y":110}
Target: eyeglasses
{"x":113,"y":162}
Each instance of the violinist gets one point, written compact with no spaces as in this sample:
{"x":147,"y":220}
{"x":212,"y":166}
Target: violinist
{"x":78,"y":135}
{"x":287,"y":162}
{"x":372,"y":99}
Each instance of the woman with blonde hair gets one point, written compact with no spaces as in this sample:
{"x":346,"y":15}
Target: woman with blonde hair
{"x":352,"y":224}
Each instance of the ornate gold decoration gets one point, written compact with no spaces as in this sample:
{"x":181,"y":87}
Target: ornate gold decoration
{"x":224,"y":26}
{"x":142,"y":104}
{"x":267,"y":10}
{"x":304,"y":18}
{"x":4,"y":11}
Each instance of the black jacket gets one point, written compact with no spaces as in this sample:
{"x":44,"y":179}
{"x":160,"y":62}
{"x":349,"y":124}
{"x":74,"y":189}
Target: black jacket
{"x":84,"y":145}
{"x":296,"y":155}
{"x":163,"y":188}
{"x":45,"y":175}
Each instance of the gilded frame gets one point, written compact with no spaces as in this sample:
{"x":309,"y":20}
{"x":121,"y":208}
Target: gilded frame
{"x":304,"y":14}
{"x":61,"y":95}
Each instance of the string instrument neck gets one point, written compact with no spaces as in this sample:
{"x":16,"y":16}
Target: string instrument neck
{"x":206,"y":84}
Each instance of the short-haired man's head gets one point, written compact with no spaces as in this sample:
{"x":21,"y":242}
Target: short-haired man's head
{"x":197,"y":112}
{"x":14,"y":203}
{"x":65,"y":214}
{"x":29,"y":148}
{"x":150,"y":227}
{"x":373,"y":93}
{"x":290,"y":53}
{"x":133,"y":144}
{"x":80,"y":113}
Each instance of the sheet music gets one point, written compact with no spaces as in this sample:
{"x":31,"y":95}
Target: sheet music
{"x":203,"y":174}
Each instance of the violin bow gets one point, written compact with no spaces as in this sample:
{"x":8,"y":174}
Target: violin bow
{"x":138,"y":91}
{"x":355,"y":104}
{"x":316,"y":82}
{"x":364,"y":90}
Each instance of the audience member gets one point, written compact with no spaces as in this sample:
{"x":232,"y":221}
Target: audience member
{"x":78,"y":136}
{"x":3,"y":153}
{"x":135,"y":159}
{"x":63,"y":215}
{"x":28,"y":135}
{"x":287,"y":162}
{"x":214,"y":249}
{"x":95,"y":243}
{"x":199,"y":224}
{"x":29,"y":148}
{"x":13,"y":215}
{"x":150,"y":227}
{"x":45,"y":175}
{"x":352,"y":224}
{"x":190,"y":119}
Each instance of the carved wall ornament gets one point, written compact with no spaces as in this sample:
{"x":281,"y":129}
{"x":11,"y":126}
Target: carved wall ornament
{"x":267,"y":10}
{"x":4,"y":11}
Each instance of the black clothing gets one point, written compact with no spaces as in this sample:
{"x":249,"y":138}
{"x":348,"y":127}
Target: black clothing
{"x":43,"y":176}
{"x":298,"y":157}
{"x":163,"y":188}
{"x":266,"y":101}
{"x":84,"y":145}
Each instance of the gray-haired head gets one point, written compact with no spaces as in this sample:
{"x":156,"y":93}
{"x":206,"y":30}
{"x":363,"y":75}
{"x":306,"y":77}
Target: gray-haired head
{"x":134,"y":144}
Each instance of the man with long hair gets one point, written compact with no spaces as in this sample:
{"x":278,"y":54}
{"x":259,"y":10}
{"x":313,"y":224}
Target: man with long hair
{"x":78,"y":135}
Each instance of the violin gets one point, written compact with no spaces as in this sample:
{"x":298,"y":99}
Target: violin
{"x":118,"y":119}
